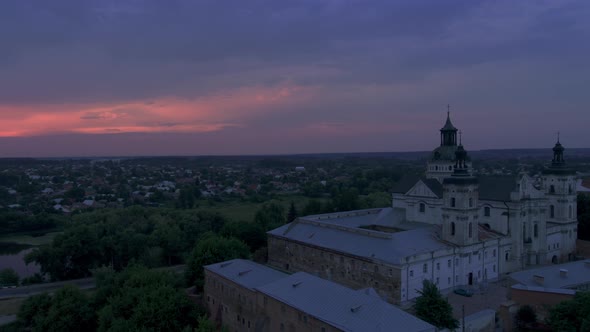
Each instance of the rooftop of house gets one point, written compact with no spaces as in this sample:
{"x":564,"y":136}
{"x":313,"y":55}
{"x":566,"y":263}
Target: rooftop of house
{"x":567,"y":276}
{"x":341,"y":307}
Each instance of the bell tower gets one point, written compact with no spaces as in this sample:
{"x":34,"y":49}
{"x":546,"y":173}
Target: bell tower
{"x":559,"y":185}
{"x":460,"y":198}
{"x":442,"y":160}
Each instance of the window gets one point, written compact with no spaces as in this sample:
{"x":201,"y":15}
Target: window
{"x":486,"y":211}
{"x":470,"y":202}
{"x":570,"y":211}
{"x":449,"y":280}
{"x":438,"y":266}
{"x":449,"y":263}
{"x":570,"y":189}
{"x":536,"y":230}
{"x":494,"y":253}
{"x":425,"y":268}
{"x":282,"y":327}
{"x":552,"y":189}
{"x":437,"y":280}
{"x":507,"y":256}
{"x":470,"y":230}
{"x":411,"y":273}
{"x":494,"y":267}
{"x":453,"y":228}
{"x":552,"y":211}
{"x":452,"y":201}
{"x":422,"y":207}
{"x":456,"y":261}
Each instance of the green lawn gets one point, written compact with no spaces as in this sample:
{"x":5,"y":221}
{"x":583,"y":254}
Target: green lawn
{"x":28,"y":239}
{"x":245,"y":211}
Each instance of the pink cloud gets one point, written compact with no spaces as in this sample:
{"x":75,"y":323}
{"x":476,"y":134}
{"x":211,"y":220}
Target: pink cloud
{"x":165,"y":114}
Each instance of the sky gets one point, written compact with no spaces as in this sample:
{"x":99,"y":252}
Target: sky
{"x":217,"y":77}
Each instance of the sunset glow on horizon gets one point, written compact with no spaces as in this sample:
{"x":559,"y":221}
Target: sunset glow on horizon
{"x":272,"y":77}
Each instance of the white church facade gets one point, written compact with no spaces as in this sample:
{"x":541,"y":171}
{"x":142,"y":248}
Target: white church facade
{"x":449,"y":226}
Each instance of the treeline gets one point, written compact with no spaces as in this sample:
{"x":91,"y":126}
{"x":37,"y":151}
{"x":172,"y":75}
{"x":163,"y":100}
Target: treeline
{"x":149,"y":236}
{"x":13,"y":222}
{"x":136,"y":299}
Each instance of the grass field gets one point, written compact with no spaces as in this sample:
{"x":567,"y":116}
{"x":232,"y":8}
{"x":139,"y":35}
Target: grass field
{"x":10,"y":306}
{"x":245,"y":211}
{"x":28,"y":239}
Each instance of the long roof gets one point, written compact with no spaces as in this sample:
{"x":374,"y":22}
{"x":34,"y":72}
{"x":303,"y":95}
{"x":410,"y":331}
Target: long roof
{"x":341,"y":307}
{"x":341,"y":232}
{"x":246,"y":273}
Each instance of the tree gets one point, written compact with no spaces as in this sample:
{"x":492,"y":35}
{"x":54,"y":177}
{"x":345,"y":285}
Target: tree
{"x":209,"y":250}
{"x":138,"y":299}
{"x":33,"y":311}
{"x":572,"y":315}
{"x":525,"y":316}
{"x":68,"y":310}
{"x":433,"y":308}
{"x":270,"y":215}
{"x":292,"y":213}
{"x":8,"y":277}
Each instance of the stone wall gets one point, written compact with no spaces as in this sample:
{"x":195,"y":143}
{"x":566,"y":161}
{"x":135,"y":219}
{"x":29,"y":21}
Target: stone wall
{"x":230,"y":304}
{"x":350,"y":271}
{"x":279,"y":316}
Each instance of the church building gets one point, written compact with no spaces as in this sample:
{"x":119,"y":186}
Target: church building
{"x":448,"y":226}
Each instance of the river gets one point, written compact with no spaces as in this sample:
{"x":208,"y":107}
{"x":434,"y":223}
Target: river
{"x":13,"y":256}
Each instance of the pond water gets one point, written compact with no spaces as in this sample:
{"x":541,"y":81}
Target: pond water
{"x":13,"y":256}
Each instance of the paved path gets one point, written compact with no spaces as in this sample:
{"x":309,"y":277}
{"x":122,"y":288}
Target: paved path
{"x":5,"y":320}
{"x":489,"y":297}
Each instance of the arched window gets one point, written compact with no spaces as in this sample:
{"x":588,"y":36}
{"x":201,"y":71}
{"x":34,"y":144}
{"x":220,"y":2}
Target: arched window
{"x":470,"y":230}
{"x":570,"y":189}
{"x":536,"y":230}
{"x":422,"y":207}
{"x":450,"y":168}
{"x":552,"y":189}
{"x":552,"y":211}
{"x":452,"y":201}
{"x":486,"y":211}
{"x":507,"y":256}
{"x":452,"y":228}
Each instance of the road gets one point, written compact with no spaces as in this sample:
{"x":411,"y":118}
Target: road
{"x":26,"y":291}
{"x":87,"y":283}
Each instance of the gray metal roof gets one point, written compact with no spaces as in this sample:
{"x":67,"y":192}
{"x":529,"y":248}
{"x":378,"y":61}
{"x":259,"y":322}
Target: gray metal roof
{"x":341,"y":232}
{"x":407,"y":182}
{"x":496,"y":188}
{"x":435,"y":186}
{"x":246,"y":273}
{"x":578,"y":273}
{"x":341,"y":307}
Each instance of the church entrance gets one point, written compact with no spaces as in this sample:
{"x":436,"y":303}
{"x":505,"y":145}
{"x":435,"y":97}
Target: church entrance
{"x":470,"y":278}
{"x":554,"y":260}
